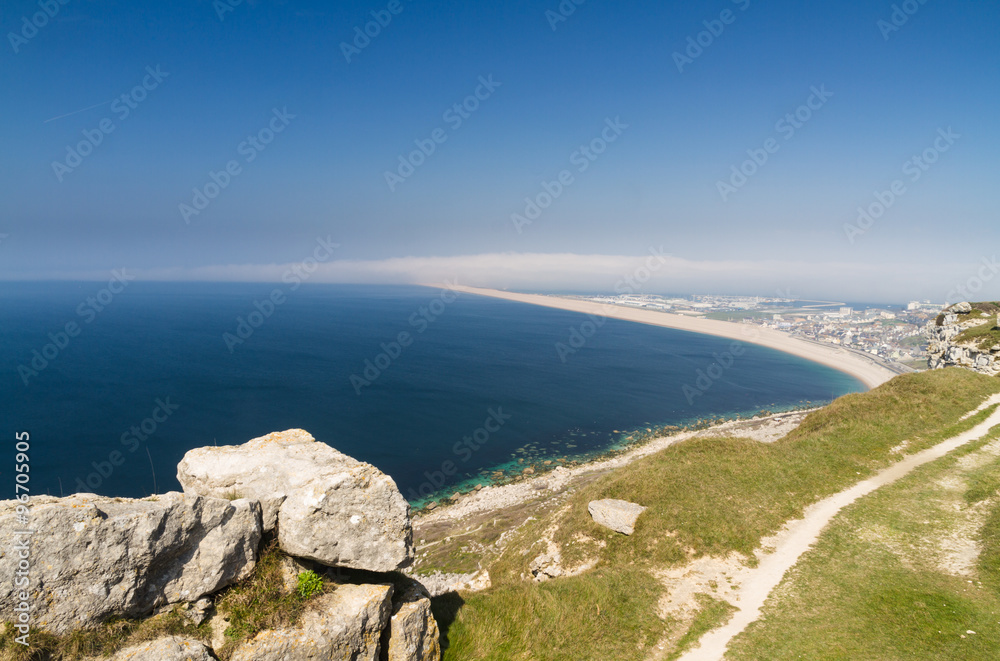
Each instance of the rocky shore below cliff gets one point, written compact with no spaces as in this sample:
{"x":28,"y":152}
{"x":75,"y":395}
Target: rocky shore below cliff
{"x":455,"y":541}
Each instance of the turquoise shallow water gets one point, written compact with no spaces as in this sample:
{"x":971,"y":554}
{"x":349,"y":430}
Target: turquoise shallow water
{"x":432,"y":389}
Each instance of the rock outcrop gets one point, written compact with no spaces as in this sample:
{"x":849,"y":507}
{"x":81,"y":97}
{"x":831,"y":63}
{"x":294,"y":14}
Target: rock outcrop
{"x":327,"y":507}
{"x":93,"y":557}
{"x":619,"y":515}
{"x":966,"y":335}
{"x":171,"y":648}
{"x":345,"y":624}
{"x":413,"y":633}
{"x":439,"y":583}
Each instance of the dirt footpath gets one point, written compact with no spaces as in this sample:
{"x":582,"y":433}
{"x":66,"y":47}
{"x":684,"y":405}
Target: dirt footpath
{"x":752,"y":586}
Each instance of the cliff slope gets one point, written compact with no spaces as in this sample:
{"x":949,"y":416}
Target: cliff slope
{"x":966,"y":335}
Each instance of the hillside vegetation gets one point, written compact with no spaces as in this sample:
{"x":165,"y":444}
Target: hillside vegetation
{"x":911,"y":571}
{"x":708,"y":496}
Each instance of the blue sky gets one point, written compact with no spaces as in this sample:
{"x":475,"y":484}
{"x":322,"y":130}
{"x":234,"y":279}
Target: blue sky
{"x":345,"y":124}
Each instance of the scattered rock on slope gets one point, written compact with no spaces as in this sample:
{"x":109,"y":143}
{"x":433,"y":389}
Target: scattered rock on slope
{"x":619,"y":515}
{"x":93,"y":557}
{"x":327,"y":506}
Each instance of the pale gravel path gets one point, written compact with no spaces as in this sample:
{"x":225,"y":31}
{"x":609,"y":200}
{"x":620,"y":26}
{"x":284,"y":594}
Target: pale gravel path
{"x":802,"y":534}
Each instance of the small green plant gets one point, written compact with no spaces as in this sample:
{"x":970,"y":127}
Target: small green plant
{"x":310,"y":583}
{"x":232,"y":494}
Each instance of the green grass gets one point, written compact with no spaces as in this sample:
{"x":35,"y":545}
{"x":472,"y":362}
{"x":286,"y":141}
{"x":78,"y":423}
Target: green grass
{"x":261,"y":601}
{"x":104,"y":640}
{"x":714,"y":496}
{"x":713,"y":614}
{"x":874,"y":586}
{"x":451,"y":557}
{"x":977,"y":311}
{"x":609,"y":614}
{"x":983,"y":336}
{"x":986,"y":334}
{"x":258,"y":602}
{"x":989,"y":553}
{"x":704,"y":496}
{"x":983,"y":484}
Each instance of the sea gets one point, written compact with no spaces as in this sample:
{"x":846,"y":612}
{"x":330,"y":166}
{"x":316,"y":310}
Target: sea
{"x":114,"y":381}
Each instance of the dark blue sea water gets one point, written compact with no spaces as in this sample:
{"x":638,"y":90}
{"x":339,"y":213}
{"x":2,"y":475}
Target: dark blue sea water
{"x":149,"y":375}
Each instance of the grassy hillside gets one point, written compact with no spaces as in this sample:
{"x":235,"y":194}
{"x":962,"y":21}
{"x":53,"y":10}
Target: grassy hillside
{"x":715,"y":495}
{"x":705,"y":496}
{"x":607,"y":614}
{"x":912,"y":571}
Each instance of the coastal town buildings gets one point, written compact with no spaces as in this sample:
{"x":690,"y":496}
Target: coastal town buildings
{"x":895,"y":333}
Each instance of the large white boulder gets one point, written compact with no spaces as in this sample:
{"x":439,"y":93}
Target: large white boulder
{"x":92,"y":558}
{"x":961,"y":308}
{"x":327,"y":506}
{"x":619,"y":515}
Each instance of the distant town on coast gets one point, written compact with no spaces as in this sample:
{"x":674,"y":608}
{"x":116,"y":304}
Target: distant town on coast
{"x":895,"y":333}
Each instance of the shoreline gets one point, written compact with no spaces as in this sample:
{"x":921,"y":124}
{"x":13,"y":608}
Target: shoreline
{"x":869,"y":371}
{"x":629,"y":450}
{"x":494,"y":498}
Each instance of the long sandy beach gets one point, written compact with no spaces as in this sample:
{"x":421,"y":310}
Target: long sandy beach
{"x":868,"y":370}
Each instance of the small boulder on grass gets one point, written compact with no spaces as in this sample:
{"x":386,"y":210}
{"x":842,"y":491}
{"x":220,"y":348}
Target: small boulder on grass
{"x":618,"y":515}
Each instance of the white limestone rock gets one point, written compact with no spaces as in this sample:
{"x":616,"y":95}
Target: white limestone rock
{"x":327,"y":506}
{"x":172,"y":648}
{"x":944,"y":351}
{"x":345,"y":624}
{"x":413,"y":633}
{"x":618,"y":515}
{"x":93,"y":557}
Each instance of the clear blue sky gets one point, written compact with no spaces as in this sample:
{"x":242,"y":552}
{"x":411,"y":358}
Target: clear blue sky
{"x":655,"y":185}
